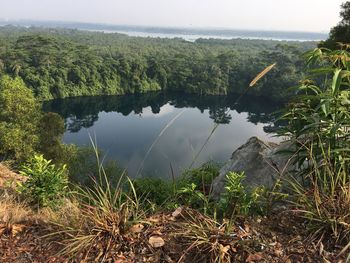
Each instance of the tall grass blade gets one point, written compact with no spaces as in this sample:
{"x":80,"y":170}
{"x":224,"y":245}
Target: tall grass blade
{"x":261,"y":74}
{"x":156,"y":141}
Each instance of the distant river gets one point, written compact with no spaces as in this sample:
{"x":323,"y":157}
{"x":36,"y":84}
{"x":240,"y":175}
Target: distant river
{"x":262,"y":35}
{"x":177,"y":125}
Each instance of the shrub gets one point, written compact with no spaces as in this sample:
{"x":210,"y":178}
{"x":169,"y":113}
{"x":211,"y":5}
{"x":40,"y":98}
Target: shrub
{"x":202,"y":177}
{"x":46,"y":184}
{"x":156,"y":190}
{"x":237,"y":199}
{"x":319,"y":125}
{"x":190,"y":196}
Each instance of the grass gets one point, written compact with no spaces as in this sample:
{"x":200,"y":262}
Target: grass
{"x":205,"y":239}
{"x":12,"y":211}
{"x":325,"y":201}
{"x":106,"y":215}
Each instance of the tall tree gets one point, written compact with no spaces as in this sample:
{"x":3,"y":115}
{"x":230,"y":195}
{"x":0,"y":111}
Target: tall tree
{"x":341,"y":32}
{"x":19,"y":115}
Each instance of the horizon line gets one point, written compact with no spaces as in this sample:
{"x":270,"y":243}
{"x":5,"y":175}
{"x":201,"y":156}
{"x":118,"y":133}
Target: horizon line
{"x":24,"y":20}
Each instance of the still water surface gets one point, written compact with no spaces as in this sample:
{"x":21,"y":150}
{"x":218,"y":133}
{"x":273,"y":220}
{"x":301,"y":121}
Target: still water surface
{"x":126,"y":127}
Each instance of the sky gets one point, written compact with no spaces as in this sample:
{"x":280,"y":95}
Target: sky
{"x":290,"y":15}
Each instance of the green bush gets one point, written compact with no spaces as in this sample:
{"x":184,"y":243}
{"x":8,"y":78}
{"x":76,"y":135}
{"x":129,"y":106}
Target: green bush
{"x":46,"y":185}
{"x":237,"y":199}
{"x":202,"y":177}
{"x":156,"y":190}
{"x":190,"y":196}
{"x":319,"y":127}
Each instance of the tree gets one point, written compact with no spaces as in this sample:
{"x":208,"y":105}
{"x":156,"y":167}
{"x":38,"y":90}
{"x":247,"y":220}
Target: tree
{"x":19,"y":116}
{"x":341,"y":32}
{"x":51,"y":128}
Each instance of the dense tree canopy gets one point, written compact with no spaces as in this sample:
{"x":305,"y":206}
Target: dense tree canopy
{"x":18,"y":119}
{"x":58,"y":63}
{"x":341,"y":32}
{"x":24,"y":128}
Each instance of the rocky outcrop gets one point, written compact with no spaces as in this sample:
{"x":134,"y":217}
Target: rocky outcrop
{"x":262,"y":163}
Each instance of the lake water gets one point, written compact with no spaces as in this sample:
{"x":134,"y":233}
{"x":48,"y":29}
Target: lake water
{"x":154,"y":134}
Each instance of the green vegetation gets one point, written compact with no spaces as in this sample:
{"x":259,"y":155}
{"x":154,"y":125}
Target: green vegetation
{"x":341,"y":32}
{"x":193,"y":189}
{"x":237,"y":200}
{"x":111,"y":217}
{"x":18,"y":119}
{"x":24,"y":128}
{"x":45,"y":184}
{"x":59,"y":63}
{"x":114,"y":218}
{"x":319,"y":124}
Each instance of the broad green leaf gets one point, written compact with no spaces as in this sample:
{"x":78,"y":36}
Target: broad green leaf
{"x":336,"y":81}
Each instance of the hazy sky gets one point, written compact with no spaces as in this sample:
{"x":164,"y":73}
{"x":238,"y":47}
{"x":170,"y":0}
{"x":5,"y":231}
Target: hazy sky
{"x":302,"y":15}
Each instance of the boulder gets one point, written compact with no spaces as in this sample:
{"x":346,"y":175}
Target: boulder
{"x":261,"y":162}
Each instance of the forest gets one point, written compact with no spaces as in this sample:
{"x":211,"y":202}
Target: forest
{"x":64,"y":203}
{"x":60,"y":63}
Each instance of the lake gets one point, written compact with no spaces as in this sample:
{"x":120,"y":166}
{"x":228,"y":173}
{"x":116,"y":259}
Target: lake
{"x":157,"y":134}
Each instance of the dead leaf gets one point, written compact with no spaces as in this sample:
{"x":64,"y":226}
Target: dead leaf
{"x":223,"y":250}
{"x":278,"y":252}
{"x":157,"y":232}
{"x":177,"y":212}
{"x":137,"y":228}
{"x":156,"y":241}
{"x":154,"y":219}
{"x":254,"y":257}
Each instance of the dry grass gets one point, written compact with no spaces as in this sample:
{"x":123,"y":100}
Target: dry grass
{"x":8,"y":179}
{"x":13,"y":211}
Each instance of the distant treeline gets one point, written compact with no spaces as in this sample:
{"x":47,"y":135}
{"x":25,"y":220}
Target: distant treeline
{"x":59,"y":63}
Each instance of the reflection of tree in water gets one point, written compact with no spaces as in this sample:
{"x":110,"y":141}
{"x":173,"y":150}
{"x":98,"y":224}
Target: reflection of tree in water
{"x":82,"y":112}
{"x":220,"y":115}
{"x":74,"y":124}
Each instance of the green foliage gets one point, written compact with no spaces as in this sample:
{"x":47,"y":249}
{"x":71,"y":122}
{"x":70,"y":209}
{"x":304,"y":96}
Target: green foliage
{"x":237,"y":199}
{"x":45,"y":184}
{"x":19,"y":115}
{"x":325,"y":201}
{"x":58,"y":63}
{"x":319,"y":117}
{"x":24,"y":129}
{"x":202,"y":177}
{"x":341,"y":32}
{"x":319,"y":125}
{"x":51,"y":128}
{"x":84,"y":168}
{"x":156,"y":190}
{"x":189,"y":196}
